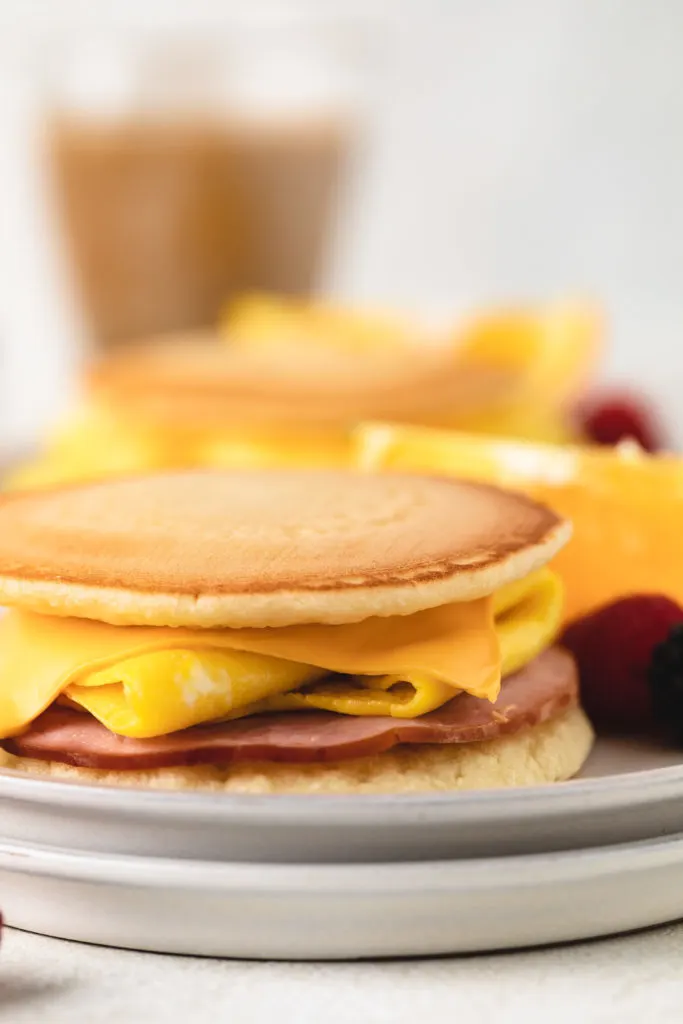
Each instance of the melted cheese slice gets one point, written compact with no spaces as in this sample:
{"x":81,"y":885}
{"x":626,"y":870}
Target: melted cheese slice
{"x":149,"y":681}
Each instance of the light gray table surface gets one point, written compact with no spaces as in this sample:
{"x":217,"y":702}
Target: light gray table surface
{"x":631,"y":980}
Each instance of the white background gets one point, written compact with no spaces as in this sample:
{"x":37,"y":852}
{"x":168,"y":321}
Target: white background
{"x":520,"y":149}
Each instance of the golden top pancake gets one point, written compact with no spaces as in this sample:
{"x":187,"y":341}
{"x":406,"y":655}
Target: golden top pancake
{"x":196,"y":379}
{"x":212,"y":548}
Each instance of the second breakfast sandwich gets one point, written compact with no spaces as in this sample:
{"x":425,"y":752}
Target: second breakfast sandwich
{"x":285,"y":632}
{"x":191,"y":401}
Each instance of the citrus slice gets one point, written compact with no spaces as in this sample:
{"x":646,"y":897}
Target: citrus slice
{"x":626,"y":506}
{"x":553,"y":349}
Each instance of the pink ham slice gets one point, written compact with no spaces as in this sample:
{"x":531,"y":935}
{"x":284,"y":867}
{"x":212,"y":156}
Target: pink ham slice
{"x":544,"y":688}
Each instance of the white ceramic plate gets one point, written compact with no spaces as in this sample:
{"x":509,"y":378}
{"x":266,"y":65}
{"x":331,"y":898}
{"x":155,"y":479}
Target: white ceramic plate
{"x":303,"y":912}
{"x":630,"y":791}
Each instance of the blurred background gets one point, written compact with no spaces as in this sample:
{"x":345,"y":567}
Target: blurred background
{"x":429,"y":154}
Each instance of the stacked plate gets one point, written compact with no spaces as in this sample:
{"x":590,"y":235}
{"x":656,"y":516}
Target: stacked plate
{"x":345,"y":877}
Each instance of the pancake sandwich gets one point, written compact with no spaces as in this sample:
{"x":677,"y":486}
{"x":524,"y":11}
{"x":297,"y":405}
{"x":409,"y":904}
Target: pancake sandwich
{"x":192,"y":401}
{"x":285,"y":631}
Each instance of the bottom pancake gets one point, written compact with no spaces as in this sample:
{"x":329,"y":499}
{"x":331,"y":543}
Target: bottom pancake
{"x":552,"y":751}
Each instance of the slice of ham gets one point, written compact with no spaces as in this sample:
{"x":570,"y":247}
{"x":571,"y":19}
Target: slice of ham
{"x":544,"y":688}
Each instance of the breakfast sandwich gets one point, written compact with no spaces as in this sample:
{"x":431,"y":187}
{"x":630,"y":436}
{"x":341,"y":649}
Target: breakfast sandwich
{"x":192,"y":401}
{"x":285,"y":631}
{"x":548,"y":351}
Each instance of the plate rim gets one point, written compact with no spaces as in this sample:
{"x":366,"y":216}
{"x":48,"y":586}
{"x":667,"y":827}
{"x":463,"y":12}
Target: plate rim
{"x":631,"y":788}
{"x":383,"y":878}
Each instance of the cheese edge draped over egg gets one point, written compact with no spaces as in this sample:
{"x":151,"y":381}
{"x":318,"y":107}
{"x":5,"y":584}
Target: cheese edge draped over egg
{"x":150,"y":681}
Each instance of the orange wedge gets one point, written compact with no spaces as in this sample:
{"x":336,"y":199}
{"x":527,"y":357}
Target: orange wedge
{"x":554,"y":350}
{"x":626,"y":506}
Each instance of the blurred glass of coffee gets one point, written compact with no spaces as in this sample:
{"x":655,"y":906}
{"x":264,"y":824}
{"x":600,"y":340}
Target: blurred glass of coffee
{"x":184,"y":171}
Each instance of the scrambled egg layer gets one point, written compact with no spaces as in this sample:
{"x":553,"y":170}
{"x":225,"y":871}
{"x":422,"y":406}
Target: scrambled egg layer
{"x":148,"y":681}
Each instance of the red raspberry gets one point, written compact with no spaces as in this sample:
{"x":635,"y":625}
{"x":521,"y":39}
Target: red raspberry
{"x":613,"y":648}
{"x":614,"y":418}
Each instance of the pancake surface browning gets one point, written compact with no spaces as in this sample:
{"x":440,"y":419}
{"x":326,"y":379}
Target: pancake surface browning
{"x":265,"y":549}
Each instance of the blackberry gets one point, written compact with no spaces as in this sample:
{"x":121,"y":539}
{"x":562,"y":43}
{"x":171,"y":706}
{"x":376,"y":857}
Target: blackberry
{"x":665,"y":677}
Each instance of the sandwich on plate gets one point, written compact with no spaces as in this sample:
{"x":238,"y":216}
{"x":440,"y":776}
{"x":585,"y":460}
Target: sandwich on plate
{"x":285,"y":631}
{"x":549,"y":352}
{"x":192,"y":401}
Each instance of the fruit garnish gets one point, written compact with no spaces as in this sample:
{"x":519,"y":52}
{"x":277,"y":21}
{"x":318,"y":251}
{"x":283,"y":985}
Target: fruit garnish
{"x":666,"y":682}
{"x":553,"y":348}
{"x":625,"y":656}
{"x":619,"y":417}
{"x":626,"y":505}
